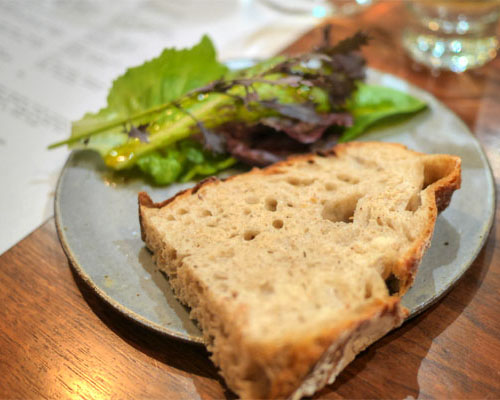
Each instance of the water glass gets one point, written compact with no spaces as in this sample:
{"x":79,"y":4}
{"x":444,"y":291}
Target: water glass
{"x":452,"y":34}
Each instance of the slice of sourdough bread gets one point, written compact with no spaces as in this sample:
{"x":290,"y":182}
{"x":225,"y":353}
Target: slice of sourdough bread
{"x":292,"y":270}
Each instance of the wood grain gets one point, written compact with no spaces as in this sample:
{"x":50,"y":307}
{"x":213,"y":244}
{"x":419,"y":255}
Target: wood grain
{"x":58,"y":341}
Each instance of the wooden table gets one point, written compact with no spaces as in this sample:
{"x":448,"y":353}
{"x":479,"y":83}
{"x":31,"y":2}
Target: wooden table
{"x":57,"y":340}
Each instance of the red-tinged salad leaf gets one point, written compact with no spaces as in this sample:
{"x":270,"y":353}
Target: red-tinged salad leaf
{"x":308,"y":132}
{"x":369,"y":106}
{"x":258,"y":144}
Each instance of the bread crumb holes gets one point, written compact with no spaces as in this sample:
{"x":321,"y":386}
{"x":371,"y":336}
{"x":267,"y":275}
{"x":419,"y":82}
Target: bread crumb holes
{"x":205,"y":213}
{"x":267,"y":288}
{"x":295,"y":181}
{"x":414,"y":203}
{"x":271,"y":204}
{"x":348,"y":179}
{"x":251,"y":199}
{"x":368,"y":290}
{"x":340,"y":210}
{"x":278,"y":223}
{"x":250,"y":234}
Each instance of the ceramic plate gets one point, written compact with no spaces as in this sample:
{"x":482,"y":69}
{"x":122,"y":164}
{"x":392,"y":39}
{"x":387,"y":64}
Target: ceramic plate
{"x":99,"y":229}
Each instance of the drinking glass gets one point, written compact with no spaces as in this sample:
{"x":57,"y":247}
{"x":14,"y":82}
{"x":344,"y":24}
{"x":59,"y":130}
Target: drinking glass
{"x":319,"y":8}
{"x":452,"y":34}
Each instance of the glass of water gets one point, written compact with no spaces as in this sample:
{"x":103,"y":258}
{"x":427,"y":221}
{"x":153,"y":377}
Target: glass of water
{"x":452,"y":34}
{"x":319,"y":8}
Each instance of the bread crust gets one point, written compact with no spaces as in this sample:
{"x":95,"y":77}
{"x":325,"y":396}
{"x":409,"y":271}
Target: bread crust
{"x":352,"y":339}
{"x":294,"y":367}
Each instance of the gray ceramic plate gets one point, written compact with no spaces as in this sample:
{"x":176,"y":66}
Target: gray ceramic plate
{"x":98,"y":225}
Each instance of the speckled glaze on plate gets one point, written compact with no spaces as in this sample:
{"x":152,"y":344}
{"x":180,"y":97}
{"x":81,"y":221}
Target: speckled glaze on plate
{"x":98,"y":224}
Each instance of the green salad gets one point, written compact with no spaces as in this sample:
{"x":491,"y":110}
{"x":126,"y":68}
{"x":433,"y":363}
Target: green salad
{"x":184,"y":115}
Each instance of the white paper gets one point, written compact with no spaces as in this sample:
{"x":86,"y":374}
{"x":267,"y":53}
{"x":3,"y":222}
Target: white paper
{"x":59,"y":57}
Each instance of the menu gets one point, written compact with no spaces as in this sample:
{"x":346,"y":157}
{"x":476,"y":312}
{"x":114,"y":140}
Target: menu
{"x":58,"y":59}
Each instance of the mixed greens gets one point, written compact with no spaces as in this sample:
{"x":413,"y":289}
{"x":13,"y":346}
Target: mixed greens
{"x":184,"y":115}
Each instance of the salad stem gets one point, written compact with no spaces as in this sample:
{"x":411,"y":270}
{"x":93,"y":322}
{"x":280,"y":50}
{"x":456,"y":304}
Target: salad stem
{"x":105,"y":127}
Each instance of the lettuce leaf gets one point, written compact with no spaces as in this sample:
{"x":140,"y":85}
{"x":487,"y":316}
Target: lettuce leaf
{"x":156,"y":82}
{"x":181,"y":162}
{"x":371,"y":104}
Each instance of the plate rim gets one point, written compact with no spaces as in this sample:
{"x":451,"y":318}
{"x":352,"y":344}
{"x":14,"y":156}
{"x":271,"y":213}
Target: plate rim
{"x":85,"y":277}
{"x":485,"y":232}
{"x":198,"y":340}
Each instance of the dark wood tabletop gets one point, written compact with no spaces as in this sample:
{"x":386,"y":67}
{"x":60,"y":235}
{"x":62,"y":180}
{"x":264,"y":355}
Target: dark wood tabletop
{"x":58,"y":340}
